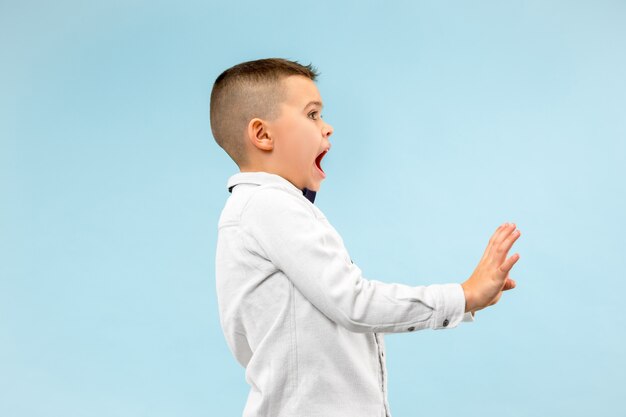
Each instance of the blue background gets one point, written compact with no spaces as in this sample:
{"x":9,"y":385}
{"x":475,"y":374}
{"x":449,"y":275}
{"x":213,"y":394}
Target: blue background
{"x":450,"y":118}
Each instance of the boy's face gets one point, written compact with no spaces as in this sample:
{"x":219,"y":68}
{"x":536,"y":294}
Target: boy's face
{"x":299,"y":135}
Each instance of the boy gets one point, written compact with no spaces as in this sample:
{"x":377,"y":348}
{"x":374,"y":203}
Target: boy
{"x":296,"y":312}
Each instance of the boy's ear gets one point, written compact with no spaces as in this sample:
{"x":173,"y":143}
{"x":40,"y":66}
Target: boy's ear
{"x":259,"y":135}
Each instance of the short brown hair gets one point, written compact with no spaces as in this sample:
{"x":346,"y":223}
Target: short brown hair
{"x":245,"y":91}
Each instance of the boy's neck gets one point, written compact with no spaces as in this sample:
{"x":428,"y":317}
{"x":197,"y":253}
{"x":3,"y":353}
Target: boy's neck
{"x":309,"y":194}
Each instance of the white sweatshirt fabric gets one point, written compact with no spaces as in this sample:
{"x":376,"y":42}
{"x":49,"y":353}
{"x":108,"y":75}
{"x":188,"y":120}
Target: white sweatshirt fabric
{"x":300,"y":316}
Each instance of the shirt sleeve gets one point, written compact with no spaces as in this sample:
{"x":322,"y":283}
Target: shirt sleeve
{"x":309,"y":251}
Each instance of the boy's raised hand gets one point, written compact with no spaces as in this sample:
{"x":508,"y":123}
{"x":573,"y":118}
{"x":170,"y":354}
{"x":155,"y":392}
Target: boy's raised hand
{"x":491,"y":276}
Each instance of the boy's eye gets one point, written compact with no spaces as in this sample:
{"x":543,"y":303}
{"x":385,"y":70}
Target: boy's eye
{"x":313,"y":114}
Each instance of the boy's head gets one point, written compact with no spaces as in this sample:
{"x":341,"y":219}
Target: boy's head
{"x":266,"y":115}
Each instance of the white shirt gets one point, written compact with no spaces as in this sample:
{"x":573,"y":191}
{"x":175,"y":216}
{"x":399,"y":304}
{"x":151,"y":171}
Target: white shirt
{"x":298,"y":314}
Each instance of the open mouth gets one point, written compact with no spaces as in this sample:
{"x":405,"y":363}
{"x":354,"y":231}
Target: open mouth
{"x":318,"y":162}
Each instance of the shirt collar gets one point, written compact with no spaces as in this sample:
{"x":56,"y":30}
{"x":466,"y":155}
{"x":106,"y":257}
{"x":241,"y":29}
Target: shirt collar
{"x":261,"y":178}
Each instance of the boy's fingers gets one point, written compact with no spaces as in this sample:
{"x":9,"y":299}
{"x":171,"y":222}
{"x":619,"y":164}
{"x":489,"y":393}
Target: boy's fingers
{"x":493,"y":236}
{"x":504,"y":233}
{"x":508,"y":264}
{"x":498,"y":233}
{"x":503,"y":246}
{"x":492,"y":241}
{"x":510,"y":240}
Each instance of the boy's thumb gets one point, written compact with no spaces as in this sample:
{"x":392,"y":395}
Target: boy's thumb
{"x":508,"y":284}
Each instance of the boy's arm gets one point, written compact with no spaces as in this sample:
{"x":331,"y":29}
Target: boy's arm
{"x":312,"y":255}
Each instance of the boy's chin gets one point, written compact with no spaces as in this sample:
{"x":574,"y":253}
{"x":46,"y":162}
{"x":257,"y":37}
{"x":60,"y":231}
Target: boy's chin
{"x":315,"y":184}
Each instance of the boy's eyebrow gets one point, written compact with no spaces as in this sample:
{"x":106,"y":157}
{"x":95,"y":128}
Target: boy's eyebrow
{"x":319,"y":103}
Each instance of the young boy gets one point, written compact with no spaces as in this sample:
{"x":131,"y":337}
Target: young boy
{"x":296,"y":312}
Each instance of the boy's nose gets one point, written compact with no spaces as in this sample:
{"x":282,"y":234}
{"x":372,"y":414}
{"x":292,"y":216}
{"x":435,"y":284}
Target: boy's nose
{"x":328,"y":130}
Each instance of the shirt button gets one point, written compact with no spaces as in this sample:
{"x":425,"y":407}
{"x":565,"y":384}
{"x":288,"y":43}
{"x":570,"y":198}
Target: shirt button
{"x":411,"y":328}
{"x":446,"y":322}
